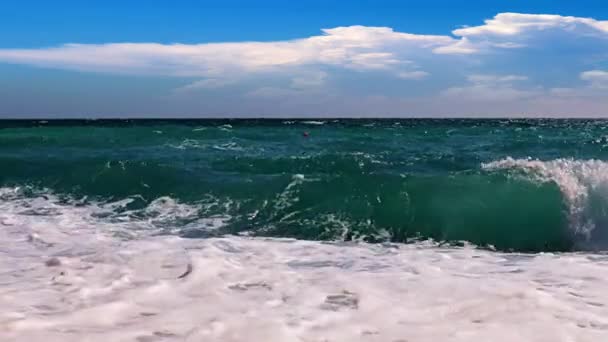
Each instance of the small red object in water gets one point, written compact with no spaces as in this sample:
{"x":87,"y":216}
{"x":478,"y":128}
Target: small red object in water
{"x":306,"y":134}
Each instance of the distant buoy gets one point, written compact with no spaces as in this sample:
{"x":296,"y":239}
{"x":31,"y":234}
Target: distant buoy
{"x":305,"y":134}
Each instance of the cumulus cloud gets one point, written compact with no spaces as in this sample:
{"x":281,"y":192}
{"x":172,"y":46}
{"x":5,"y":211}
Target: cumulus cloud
{"x":517,"y":30}
{"x":510,"y":24}
{"x":474,"y":64}
{"x":357,"y":47}
{"x":459,"y":47}
{"x":352,"y":47}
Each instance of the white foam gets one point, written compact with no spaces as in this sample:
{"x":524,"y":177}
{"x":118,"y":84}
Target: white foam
{"x":101,"y":287}
{"x":313,"y":122}
{"x":188,"y":144}
{"x":230,"y":146}
{"x":578,"y":180}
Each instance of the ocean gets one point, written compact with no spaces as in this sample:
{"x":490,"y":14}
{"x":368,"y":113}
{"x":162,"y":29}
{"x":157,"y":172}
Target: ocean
{"x":304,"y":230}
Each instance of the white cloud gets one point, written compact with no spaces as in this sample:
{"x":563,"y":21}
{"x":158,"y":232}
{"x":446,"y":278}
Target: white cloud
{"x":596,"y":86}
{"x":413,"y":75}
{"x":308,"y":83}
{"x":209,"y":83}
{"x":374,"y":60}
{"x":460,"y":47}
{"x":597,"y":78}
{"x":510,"y":24}
{"x":517,"y":30}
{"x":487,"y":88}
{"x":337,"y":62}
{"x":309,"y":80}
{"x":357,"y":47}
{"x":272,"y":92}
{"x":495,"y":78}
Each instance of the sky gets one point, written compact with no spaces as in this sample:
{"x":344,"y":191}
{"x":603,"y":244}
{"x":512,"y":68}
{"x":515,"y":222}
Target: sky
{"x":268,"y":58}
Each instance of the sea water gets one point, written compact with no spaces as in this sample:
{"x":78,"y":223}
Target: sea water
{"x":360,"y":230}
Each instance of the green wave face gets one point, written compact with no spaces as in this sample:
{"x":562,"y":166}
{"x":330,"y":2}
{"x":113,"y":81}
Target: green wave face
{"x":513,"y":185}
{"x":484,"y":210}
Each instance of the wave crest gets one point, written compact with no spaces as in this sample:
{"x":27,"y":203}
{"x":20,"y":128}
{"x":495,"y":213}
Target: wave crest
{"x":583,"y":184}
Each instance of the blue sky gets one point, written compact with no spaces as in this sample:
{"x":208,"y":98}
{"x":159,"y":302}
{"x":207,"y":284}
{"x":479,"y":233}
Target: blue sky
{"x":308,"y":58}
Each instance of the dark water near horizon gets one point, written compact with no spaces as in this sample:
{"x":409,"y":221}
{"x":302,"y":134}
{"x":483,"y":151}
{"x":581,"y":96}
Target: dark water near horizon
{"x":515,"y":185}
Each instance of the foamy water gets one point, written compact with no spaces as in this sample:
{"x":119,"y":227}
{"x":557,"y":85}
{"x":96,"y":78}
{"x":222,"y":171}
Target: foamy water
{"x":69,"y":273}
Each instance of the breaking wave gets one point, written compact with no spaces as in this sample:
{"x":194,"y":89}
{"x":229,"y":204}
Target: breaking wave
{"x":583,"y":185}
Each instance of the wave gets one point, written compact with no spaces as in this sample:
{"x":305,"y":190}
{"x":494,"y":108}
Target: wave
{"x":509,"y":204}
{"x":584,"y":187}
{"x":128,"y":218}
{"x":486,"y":211}
{"x":313,"y":122}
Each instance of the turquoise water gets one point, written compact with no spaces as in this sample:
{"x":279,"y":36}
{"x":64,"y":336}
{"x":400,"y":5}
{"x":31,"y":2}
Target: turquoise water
{"x":513,"y":185}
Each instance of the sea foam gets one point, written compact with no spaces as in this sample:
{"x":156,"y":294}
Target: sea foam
{"x":70,"y":273}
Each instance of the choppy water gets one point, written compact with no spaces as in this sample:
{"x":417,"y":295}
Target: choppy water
{"x":249,"y":230}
